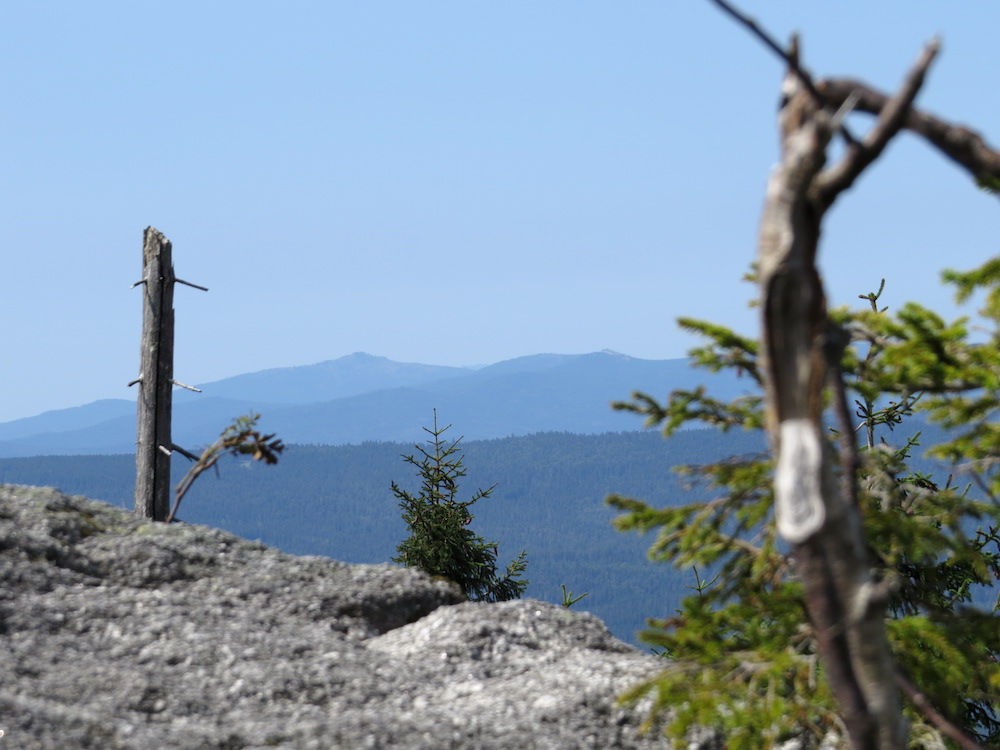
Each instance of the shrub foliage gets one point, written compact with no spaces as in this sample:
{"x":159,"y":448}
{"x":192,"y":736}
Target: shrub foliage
{"x":440,"y":541}
{"x":740,"y":653}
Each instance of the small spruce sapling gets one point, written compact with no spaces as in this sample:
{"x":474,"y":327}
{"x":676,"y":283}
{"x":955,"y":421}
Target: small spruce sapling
{"x":440,"y":541}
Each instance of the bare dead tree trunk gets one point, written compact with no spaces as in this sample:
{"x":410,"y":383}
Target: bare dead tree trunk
{"x":815,"y":513}
{"x":812,"y":512}
{"x":156,"y":378}
{"x":801,"y":354}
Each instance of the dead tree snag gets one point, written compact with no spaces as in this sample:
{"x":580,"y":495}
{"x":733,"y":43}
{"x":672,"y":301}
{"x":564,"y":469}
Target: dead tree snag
{"x":156,"y":377}
{"x":817,"y":512}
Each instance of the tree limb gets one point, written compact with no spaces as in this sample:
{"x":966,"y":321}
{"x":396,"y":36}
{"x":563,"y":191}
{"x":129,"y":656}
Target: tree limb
{"x":923,"y":705}
{"x":790,"y":58}
{"x":814,"y":512}
{"x":240,"y":438}
{"x":891,"y":118}
{"x":965,"y":147}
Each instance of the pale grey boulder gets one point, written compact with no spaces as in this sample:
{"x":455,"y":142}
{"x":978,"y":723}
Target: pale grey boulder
{"x":117,"y":633}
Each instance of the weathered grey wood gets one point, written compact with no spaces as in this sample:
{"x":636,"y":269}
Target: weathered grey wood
{"x":815,"y":513}
{"x":152,"y":456}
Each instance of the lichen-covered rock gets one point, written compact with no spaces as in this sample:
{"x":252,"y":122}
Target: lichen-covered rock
{"x":120,"y":633}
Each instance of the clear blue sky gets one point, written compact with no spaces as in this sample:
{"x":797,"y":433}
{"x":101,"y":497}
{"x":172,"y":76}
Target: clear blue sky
{"x":443,"y":182}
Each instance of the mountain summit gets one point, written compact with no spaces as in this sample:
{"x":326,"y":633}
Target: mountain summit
{"x":347,"y":376}
{"x":363,"y":397}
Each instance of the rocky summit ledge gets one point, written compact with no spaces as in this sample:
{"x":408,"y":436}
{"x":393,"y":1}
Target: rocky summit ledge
{"x":119,"y":633}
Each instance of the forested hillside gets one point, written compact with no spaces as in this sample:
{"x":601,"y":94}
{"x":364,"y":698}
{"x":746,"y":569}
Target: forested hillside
{"x":335,"y":501}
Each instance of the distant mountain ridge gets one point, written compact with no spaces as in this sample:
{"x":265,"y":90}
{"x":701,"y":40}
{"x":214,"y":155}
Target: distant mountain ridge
{"x":363,"y":397}
{"x":347,"y":376}
{"x":60,"y":420}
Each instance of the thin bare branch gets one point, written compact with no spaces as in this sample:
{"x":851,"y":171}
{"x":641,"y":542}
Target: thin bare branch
{"x":188,"y":283}
{"x":837,"y":340}
{"x":965,"y":147}
{"x":920,"y":701}
{"x":240,"y":438}
{"x":184,"y":452}
{"x":891,"y":119}
{"x":790,"y":58}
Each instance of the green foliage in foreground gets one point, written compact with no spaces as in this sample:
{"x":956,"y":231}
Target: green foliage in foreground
{"x":741,"y":653}
{"x":441,"y":542}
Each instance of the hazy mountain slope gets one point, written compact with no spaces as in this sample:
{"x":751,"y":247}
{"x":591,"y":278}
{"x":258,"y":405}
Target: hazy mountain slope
{"x":338,"y":378}
{"x":530,"y":363}
{"x":62,"y":420}
{"x":532,"y":394}
{"x":219,"y":401}
{"x":194,"y":424}
{"x":542,"y":393}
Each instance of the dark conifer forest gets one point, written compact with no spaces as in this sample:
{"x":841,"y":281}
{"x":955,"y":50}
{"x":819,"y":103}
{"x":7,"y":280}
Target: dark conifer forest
{"x":549,"y":500}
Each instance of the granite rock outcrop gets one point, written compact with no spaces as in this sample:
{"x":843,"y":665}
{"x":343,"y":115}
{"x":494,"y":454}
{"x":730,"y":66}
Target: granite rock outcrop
{"x":120,"y":633}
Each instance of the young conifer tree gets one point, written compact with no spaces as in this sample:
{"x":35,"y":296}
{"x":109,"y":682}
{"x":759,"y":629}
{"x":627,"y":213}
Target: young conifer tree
{"x":440,"y":541}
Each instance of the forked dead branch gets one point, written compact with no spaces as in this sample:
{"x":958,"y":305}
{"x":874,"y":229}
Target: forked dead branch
{"x":816,"y":511}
